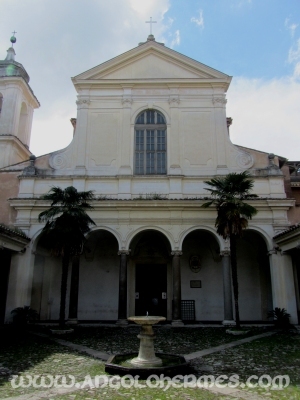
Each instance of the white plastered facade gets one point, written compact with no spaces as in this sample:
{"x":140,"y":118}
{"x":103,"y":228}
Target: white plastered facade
{"x":152,"y":217}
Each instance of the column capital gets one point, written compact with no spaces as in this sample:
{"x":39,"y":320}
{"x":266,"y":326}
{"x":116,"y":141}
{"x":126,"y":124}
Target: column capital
{"x":126,"y":252}
{"x":272,"y":251}
{"x":83,"y":103}
{"x":176,"y":253}
{"x":127,"y":101}
{"x":225,"y":253}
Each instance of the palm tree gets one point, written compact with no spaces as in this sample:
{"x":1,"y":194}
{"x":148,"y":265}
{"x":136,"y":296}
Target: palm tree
{"x":233,"y":213}
{"x":66,"y":224}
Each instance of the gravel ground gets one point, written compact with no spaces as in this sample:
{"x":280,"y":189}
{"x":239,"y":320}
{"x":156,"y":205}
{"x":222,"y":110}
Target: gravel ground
{"x":169,"y":340}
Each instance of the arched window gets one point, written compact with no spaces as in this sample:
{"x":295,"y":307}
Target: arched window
{"x":23,"y":124}
{"x":150,"y":144}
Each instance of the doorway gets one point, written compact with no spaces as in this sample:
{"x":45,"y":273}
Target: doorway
{"x":151,"y":289}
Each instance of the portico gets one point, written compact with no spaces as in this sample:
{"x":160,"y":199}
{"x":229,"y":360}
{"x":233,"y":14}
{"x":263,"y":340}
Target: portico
{"x":151,"y":129}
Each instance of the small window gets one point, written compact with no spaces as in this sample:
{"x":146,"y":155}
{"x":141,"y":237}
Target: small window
{"x":150,"y":144}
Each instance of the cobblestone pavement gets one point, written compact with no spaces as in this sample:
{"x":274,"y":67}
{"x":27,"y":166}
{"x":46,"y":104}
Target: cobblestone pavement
{"x":38,"y":355}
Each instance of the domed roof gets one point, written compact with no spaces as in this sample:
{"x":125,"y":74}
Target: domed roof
{"x":10,"y":67}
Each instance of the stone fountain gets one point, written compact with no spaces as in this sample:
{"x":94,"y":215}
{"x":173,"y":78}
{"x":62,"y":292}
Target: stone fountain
{"x":146,"y":362}
{"x":146,"y":357}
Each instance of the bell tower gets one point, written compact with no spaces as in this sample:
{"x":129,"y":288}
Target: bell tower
{"x":17,"y":103}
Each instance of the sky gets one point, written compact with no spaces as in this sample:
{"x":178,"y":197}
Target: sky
{"x":255,"y":41}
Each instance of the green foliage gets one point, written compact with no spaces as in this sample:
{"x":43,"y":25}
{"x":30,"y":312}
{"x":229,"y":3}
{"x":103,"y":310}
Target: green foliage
{"x":66,"y":225}
{"x":151,"y":196}
{"x":23,"y":315}
{"x":66,"y":220}
{"x":281,"y":317}
{"x":228,"y":195}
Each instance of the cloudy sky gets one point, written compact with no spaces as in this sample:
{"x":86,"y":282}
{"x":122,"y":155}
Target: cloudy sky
{"x":255,"y":41}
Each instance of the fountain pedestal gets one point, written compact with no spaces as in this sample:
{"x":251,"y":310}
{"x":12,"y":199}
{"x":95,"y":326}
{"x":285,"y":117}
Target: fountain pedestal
{"x":146,"y":357}
{"x":146,"y":363}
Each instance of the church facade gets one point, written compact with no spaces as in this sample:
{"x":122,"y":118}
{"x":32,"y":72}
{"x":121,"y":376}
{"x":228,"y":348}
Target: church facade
{"x":151,"y":128}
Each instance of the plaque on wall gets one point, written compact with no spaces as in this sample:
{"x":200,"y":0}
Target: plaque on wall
{"x":195,"y":284}
{"x":195,"y":264}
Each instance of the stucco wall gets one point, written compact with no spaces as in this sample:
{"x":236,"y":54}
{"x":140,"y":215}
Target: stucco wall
{"x":9,"y":189}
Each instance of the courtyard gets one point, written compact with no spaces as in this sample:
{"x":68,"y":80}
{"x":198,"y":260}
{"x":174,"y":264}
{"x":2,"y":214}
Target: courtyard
{"x":249,"y":363}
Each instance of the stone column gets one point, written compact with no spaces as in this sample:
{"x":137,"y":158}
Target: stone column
{"x":73,"y":304}
{"x":283,"y":288}
{"x":227,"y":288}
{"x":176,"y":312}
{"x":122,"y":310}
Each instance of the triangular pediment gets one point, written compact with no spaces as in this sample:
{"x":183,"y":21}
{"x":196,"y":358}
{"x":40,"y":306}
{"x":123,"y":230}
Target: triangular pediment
{"x":151,"y":60}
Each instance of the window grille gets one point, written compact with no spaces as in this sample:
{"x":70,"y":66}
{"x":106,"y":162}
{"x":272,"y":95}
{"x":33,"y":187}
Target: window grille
{"x":150,"y":144}
{"x":188,"y":310}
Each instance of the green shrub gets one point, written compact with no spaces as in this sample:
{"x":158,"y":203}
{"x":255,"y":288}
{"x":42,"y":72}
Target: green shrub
{"x":281,"y":317}
{"x":23,"y":315}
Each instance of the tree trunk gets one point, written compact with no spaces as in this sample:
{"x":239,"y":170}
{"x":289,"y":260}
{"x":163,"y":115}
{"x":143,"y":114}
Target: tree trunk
{"x":235,"y":278}
{"x":63,"y":289}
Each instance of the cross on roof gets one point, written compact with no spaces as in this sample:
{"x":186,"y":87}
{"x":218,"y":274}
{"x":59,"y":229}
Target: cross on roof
{"x":151,"y":22}
{"x":14,"y":32}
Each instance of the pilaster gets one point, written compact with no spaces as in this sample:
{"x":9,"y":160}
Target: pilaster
{"x":125,"y":139}
{"x":282,"y":279}
{"x":81,"y":133}
{"x":221,"y":134}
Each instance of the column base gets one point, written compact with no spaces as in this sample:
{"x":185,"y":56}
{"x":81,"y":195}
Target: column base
{"x":177,"y":322}
{"x":72,"y":321}
{"x":227,"y":322}
{"x":122,"y":322}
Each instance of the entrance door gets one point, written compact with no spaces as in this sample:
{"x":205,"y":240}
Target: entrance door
{"x":151,"y":289}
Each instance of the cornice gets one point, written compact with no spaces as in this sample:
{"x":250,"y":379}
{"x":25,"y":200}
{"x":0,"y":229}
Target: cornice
{"x":17,"y":141}
{"x":159,"y":82}
{"x":172,"y":204}
{"x":19,"y":80}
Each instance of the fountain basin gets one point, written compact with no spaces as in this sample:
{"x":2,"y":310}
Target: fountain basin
{"x":172,"y":365}
{"x":146,"y":320}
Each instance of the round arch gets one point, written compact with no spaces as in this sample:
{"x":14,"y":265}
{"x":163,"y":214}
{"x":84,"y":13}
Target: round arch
{"x":218,"y":238}
{"x":35,"y":239}
{"x":133,"y":234}
{"x":23,"y":122}
{"x":36,"y":236}
{"x":145,"y":108}
{"x":267,"y":239}
{"x":105,"y":228}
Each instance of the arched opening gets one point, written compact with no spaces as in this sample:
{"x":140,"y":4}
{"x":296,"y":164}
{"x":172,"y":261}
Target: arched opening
{"x":99,"y":277}
{"x":150,"y":275}
{"x":201,"y":275}
{"x":150,"y":143}
{"x":45,"y":292}
{"x":22,"y":130}
{"x":254,"y":278}
{"x":97,"y":284}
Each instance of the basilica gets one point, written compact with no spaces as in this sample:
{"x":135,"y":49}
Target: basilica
{"x":151,"y":128}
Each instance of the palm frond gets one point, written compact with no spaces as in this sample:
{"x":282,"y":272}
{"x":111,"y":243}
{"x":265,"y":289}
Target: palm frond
{"x":228,"y":195}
